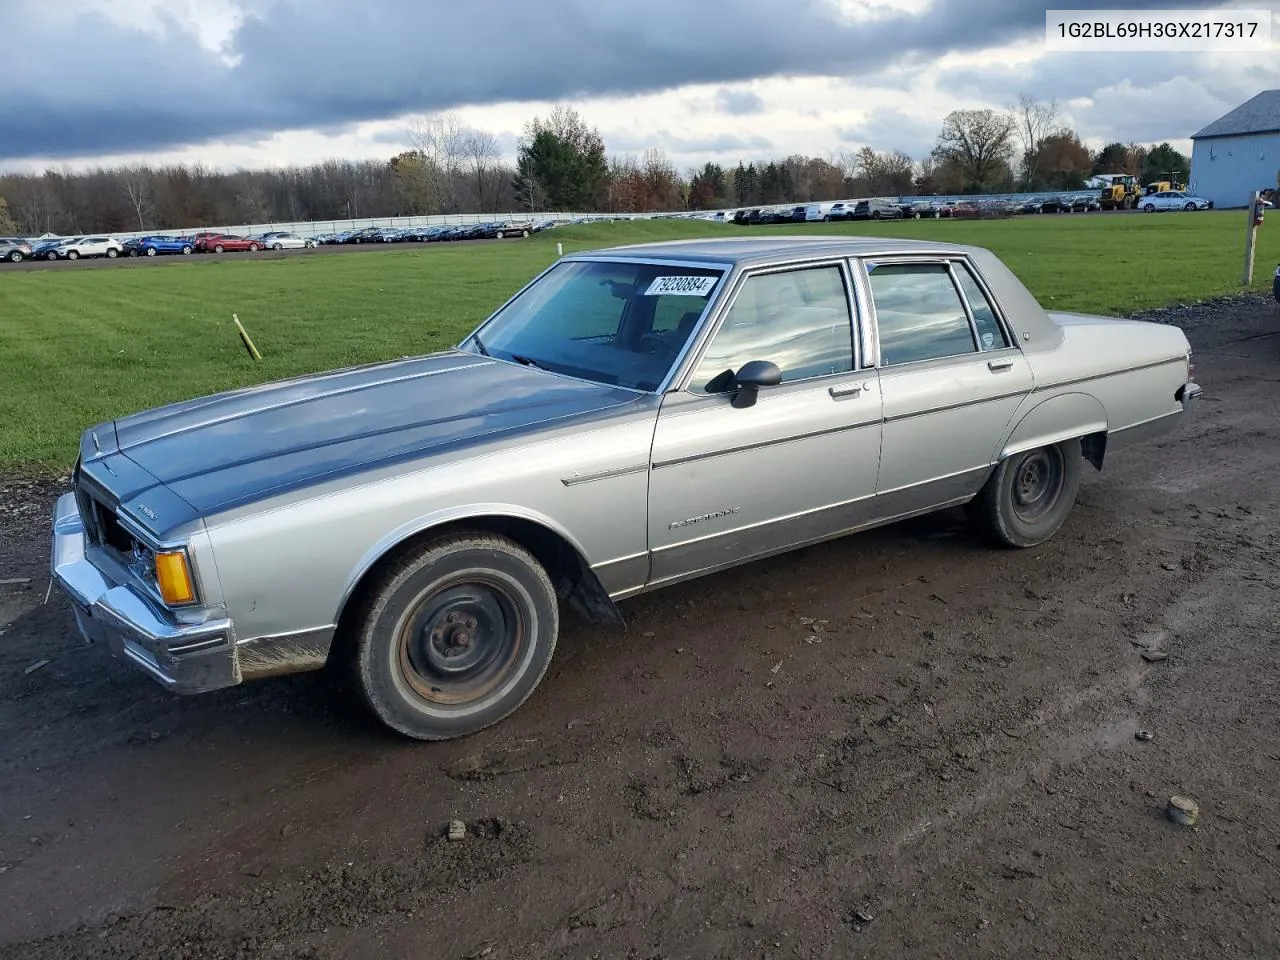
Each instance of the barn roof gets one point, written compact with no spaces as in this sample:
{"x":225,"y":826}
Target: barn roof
{"x":1259,"y":115}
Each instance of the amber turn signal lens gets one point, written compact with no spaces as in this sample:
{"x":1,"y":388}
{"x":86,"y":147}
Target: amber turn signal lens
{"x":173,"y":578}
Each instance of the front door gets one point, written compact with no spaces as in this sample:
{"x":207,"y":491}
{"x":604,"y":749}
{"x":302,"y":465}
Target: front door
{"x":730,"y":483}
{"x":951,"y":376}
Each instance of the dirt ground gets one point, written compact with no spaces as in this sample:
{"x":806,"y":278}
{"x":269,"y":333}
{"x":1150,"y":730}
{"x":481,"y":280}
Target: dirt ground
{"x":902,"y":744}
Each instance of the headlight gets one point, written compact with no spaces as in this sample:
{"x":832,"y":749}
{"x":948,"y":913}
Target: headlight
{"x":173,"y":578}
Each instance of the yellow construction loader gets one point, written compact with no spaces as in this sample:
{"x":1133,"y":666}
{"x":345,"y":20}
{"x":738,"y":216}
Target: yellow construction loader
{"x":1120,"y":193}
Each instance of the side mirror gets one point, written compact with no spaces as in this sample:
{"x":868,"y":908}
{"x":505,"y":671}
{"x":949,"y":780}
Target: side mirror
{"x":751,"y":377}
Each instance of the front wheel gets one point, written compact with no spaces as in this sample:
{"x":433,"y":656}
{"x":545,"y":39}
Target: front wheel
{"x":151,"y":251}
{"x":1149,"y":208}
{"x":253,"y":248}
{"x":15,"y":256}
{"x":277,"y":246}
{"x":112,"y":254}
{"x":218,"y":248}
{"x":1189,"y":206}
{"x":455,"y":635}
{"x":73,"y":255}
{"x":1028,"y":497}
{"x":186,"y":251}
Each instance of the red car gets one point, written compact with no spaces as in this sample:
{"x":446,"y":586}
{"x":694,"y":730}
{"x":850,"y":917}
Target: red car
{"x":228,"y":241}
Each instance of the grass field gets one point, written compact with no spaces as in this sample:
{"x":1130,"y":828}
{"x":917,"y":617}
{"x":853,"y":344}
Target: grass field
{"x":81,"y":346}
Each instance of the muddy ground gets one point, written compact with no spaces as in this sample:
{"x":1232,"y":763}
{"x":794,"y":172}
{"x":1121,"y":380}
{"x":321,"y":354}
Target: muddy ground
{"x":903,"y":744}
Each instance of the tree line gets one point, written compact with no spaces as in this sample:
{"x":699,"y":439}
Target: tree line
{"x":563,"y":165}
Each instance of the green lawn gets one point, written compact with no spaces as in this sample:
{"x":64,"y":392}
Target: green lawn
{"x":81,"y":346}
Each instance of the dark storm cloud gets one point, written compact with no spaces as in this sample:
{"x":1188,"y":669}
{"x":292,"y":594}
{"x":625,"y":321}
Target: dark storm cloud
{"x":315,"y":63}
{"x":738,"y":102}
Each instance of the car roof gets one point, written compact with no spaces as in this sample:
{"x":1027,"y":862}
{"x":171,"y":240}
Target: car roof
{"x":744,"y":250}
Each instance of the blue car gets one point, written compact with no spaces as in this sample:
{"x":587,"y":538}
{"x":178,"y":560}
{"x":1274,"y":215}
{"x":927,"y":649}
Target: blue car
{"x":151,"y":246}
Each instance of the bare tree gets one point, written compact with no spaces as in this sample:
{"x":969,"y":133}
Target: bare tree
{"x":1034,"y":121}
{"x":443,"y":141}
{"x":136,"y":180}
{"x":482,"y":157}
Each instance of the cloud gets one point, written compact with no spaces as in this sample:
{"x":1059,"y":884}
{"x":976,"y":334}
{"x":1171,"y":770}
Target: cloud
{"x":888,"y":129}
{"x":302,"y":64}
{"x":738,"y":102}
{"x":1140,"y":98}
{"x":628,"y":142}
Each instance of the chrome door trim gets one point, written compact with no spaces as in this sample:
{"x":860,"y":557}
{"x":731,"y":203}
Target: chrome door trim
{"x":956,"y":406}
{"x":796,"y":438}
{"x":574,"y":479}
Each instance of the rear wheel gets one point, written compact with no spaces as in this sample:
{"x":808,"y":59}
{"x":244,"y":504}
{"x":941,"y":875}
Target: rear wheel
{"x":15,"y":256}
{"x":1149,"y":208}
{"x":218,"y":248}
{"x":186,"y":251}
{"x":277,"y":246}
{"x":73,"y":255}
{"x":113,"y":253}
{"x":455,"y":635}
{"x":1028,"y":497}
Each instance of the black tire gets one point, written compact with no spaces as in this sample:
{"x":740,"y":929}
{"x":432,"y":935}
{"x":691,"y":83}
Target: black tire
{"x":15,"y":256}
{"x":277,"y":246}
{"x":51,"y":255}
{"x":459,"y":597}
{"x":112,"y":254}
{"x":186,"y":251}
{"x":73,"y":255}
{"x":217,"y":248}
{"x":133,"y":252}
{"x":524,"y":233}
{"x":1189,"y":206}
{"x":1149,"y":208}
{"x":253,"y":248}
{"x":151,"y":251}
{"x":1027,"y":498}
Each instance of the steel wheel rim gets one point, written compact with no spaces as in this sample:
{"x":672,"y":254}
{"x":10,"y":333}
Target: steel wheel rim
{"x":1038,"y":481}
{"x":461,"y":642}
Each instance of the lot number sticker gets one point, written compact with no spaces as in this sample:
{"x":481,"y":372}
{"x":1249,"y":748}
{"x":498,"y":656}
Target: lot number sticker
{"x":680,"y":286}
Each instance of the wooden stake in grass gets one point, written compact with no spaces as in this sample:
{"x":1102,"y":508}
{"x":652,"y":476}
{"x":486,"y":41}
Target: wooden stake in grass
{"x":244,"y":338}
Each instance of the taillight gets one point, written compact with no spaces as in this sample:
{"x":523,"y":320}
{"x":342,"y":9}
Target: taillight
{"x":1191,"y":368}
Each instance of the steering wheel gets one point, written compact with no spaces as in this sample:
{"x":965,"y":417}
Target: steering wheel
{"x":660,"y":342}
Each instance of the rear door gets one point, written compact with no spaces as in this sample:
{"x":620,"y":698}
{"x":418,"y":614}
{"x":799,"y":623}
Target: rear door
{"x":951,"y":378}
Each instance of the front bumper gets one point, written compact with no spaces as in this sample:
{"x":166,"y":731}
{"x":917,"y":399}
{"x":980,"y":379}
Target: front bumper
{"x":182,"y":657}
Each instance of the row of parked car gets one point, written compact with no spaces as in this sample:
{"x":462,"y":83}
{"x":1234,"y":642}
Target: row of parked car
{"x":496,"y":230}
{"x":17,"y":249}
{"x":886,"y":209}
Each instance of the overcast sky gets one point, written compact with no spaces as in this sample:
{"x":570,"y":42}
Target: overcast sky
{"x":274,"y":82}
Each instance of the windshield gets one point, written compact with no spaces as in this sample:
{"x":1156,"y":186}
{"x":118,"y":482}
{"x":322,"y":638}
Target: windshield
{"x":608,"y":321}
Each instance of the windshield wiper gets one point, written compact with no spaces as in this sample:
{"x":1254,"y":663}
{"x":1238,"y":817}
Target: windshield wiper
{"x":479,"y":345}
{"x":528,"y":362}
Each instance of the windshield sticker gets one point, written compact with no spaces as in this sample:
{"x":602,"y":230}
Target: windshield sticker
{"x":680,"y":286}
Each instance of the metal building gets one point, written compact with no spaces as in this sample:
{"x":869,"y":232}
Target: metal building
{"x":1238,"y":153}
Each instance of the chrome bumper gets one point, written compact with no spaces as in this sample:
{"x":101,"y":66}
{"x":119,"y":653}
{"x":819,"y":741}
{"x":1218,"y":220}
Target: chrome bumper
{"x":182,"y":657}
{"x":1188,"y":394}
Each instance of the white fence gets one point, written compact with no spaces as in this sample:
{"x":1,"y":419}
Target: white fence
{"x":316,"y":228}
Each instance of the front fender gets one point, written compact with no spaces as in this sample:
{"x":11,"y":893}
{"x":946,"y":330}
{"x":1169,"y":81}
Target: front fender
{"x":438,"y":518}
{"x":1064,"y":417}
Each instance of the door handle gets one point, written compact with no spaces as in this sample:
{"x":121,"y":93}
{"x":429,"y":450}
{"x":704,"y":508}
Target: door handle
{"x":994,"y":365}
{"x":845,"y":390}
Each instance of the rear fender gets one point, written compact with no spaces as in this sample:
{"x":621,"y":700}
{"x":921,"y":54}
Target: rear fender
{"x":1067,"y":416}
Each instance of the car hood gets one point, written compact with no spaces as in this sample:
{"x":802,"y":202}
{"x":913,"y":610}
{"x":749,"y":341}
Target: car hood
{"x":233,"y":448}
